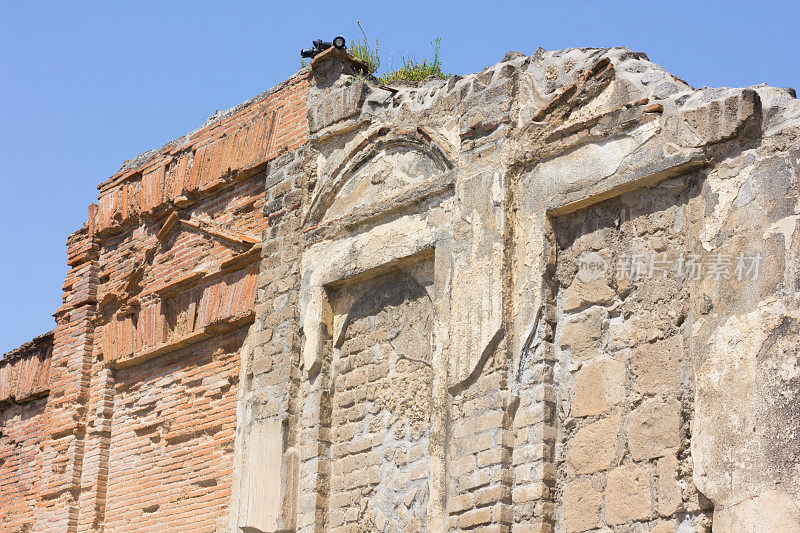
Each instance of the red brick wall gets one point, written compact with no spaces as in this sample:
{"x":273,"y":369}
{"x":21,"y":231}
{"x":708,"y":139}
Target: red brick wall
{"x":20,"y":436}
{"x":207,"y":158}
{"x":165,"y":422}
{"x":24,"y":384}
{"x":25,"y":372}
{"x":137,"y":429}
{"x":184,"y":252}
{"x":171,"y":450}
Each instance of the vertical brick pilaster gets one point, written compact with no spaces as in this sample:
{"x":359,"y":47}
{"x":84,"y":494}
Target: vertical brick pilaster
{"x":64,"y":439}
{"x":94,"y":476}
{"x":533,"y":458}
{"x":480,"y":453}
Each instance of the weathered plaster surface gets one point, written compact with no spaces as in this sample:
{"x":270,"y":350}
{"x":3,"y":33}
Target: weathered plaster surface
{"x":390,"y":284}
{"x":556,"y":404}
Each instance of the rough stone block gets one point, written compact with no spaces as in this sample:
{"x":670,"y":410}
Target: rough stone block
{"x":580,"y":294}
{"x":658,"y":366}
{"x":718,"y":120}
{"x":599,"y":386}
{"x":268,"y":479}
{"x":475,"y":517}
{"x":581,"y":506}
{"x":628,"y":494}
{"x":594,"y":446}
{"x":668,"y":489}
{"x":669,"y":526}
{"x":654,"y":428}
{"x":582,"y":332}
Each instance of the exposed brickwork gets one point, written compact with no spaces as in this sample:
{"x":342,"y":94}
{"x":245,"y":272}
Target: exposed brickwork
{"x":344,"y":307}
{"x":207,"y":158}
{"x":177,"y":280}
{"x":135,"y":419}
{"x":20,"y":438}
{"x":25,"y":372}
{"x":171,"y":444}
{"x":380,"y":414}
{"x":272,"y":372}
{"x":480,"y":453}
{"x":24,"y":384}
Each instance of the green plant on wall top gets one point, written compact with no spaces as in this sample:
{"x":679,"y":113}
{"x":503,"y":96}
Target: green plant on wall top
{"x":362,"y":50}
{"x":411,"y":70}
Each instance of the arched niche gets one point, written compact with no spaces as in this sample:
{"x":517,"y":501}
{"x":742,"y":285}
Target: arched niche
{"x":385,"y":171}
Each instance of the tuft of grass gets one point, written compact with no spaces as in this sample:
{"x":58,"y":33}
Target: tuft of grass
{"x":412,"y":70}
{"x":363,"y":51}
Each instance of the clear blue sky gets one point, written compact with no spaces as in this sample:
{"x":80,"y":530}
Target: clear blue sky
{"x":86,"y":85}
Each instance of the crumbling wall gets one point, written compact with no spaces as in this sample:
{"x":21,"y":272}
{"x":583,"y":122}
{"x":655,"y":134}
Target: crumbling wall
{"x":624,"y":379}
{"x":380,"y":411}
{"x":479,"y":451}
{"x":175,"y":301}
{"x":569,"y":405}
{"x":522,"y":299}
{"x":170,"y":451}
{"x":745,"y":342}
{"x":24,"y":385}
{"x":267,"y":443}
{"x":138,"y":426}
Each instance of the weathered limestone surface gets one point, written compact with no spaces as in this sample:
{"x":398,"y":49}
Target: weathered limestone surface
{"x":560,"y":294}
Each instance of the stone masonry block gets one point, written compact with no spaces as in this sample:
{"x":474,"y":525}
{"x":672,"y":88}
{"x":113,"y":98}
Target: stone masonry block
{"x":599,"y":386}
{"x":594,"y":446}
{"x":658,"y":366}
{"x":654,"y":428}
{"x":581,"y":333}
{"x":580,"y":294}
{"x":581,"y":506}
{"x":628,"y":494}
{"x":667,"y":487}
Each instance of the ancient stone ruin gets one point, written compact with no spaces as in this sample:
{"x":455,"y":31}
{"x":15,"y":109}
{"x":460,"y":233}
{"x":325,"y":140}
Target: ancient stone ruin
{"x":560,"y":294}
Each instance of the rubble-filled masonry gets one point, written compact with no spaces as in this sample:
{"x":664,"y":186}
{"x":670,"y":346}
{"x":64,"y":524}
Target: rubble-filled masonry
{"x":561,"y":294}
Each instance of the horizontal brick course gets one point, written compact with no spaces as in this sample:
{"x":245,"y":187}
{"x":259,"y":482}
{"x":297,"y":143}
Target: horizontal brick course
{"x":142,"y":368}
{"x":207,"y":158}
